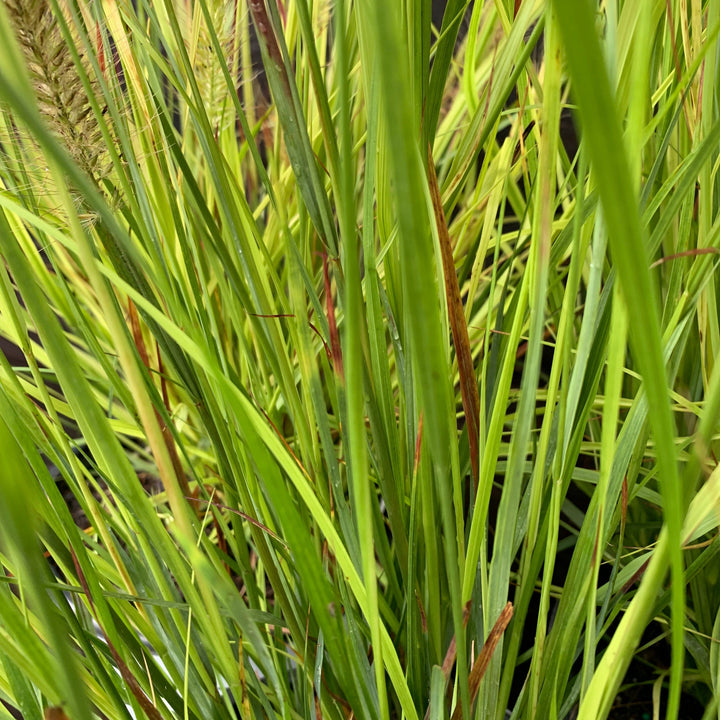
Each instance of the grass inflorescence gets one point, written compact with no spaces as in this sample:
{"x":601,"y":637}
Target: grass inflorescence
{"x":56,"y":78}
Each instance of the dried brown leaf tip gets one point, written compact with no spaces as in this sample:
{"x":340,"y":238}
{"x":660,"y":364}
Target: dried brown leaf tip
{"x":54,"y":713}
{"x":266,"y":32}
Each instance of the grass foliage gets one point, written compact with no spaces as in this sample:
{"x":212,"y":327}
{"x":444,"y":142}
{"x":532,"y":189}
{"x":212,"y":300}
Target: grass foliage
{"x":368,"y":394}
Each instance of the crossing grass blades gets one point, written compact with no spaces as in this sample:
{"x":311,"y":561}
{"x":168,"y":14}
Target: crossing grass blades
{"x":348,"y":386}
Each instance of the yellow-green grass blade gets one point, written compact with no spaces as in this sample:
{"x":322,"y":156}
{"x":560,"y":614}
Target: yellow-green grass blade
{"x":605,"y":146}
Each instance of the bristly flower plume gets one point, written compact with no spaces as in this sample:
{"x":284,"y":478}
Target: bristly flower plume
{"x":61,"y":95}
{"x":207,"y":64}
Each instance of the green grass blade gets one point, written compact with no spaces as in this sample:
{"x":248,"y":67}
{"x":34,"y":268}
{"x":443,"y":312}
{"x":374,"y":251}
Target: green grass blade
{"x":605,"y":147}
